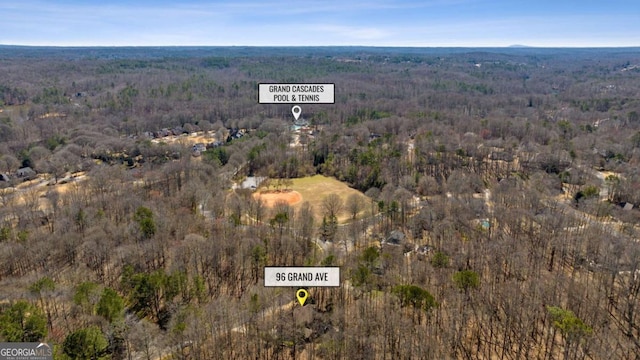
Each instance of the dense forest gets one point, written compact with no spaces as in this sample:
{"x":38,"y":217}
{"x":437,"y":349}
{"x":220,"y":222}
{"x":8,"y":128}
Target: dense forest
{"x":493,"y":207}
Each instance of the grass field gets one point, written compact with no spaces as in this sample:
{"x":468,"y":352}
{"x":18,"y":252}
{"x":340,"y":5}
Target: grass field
{"x":315,"y":188}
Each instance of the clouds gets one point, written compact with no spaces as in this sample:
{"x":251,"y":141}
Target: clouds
{"x":330,"y":22}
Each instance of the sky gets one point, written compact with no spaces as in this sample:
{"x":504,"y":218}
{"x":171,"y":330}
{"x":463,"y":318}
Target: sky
{"x":427,"y":23}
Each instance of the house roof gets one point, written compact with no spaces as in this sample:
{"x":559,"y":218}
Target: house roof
{"x":25,"y":171}
{"x":252,"y":182}
{"x":395,"y":237}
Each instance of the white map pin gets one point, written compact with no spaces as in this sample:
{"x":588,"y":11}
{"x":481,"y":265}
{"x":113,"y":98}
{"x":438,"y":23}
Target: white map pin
{"x":296,"y":111}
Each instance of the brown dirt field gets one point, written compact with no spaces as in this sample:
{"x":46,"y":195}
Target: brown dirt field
{"x":270,"y":198}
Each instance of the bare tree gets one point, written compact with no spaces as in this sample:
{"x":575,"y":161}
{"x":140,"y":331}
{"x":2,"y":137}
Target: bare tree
{"x":355,"y":204}
{"x":332,"y":205}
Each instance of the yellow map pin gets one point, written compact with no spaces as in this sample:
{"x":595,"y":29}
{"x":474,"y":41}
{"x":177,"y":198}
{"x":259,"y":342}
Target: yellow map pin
{"x":302,"y":295}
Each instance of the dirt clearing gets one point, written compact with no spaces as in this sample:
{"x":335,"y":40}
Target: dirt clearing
{"x":270,"y":198}
{"x":313,"y":189}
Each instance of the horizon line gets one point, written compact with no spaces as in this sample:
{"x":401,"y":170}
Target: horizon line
{"x":513,"y":46}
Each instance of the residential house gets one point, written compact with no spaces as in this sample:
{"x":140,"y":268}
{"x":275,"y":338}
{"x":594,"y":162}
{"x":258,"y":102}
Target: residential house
{"x":199,"y":147}
{"x":26,"y":173}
